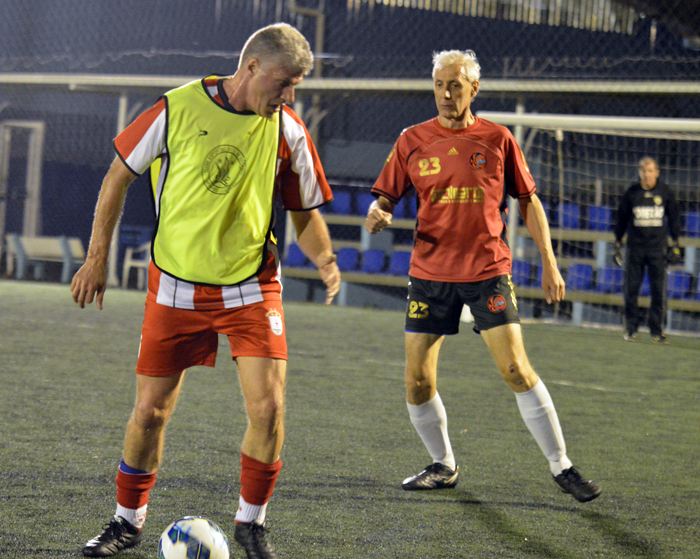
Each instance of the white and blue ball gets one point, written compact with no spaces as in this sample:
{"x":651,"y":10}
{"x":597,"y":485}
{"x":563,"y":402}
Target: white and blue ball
{"x":193,"y":537}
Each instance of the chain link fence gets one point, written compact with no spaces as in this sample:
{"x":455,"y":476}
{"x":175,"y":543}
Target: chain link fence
{"x":526,"y":66}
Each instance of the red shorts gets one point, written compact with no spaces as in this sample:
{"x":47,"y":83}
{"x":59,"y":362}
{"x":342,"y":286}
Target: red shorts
{"x":174,"y":339}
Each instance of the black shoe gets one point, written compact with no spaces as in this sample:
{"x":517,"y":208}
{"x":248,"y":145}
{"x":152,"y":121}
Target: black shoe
{"x":583,"y":490}
{"x":435,"y":476}
{"x":630,"y":336}
{"x":252,"y":537}
{"x":659,"y":339}
{"x":117,"y":535}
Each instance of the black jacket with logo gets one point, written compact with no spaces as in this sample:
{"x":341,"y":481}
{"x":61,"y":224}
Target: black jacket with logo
{"x":645,"y":216}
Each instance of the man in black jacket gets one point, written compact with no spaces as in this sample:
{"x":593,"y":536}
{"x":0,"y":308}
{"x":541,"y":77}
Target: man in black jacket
{"x":644,"y":212}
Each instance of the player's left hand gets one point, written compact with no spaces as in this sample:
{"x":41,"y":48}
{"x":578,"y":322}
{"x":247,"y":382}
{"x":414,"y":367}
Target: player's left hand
{"x":330,"y":274}
{"x":553,"y":284}
{"x":673,"y":254}
{"x":89,"y":283}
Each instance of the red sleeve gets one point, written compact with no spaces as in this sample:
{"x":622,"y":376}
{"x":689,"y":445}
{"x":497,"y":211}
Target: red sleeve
{"x":519,"y":181}
{"x":394,"y":181}
{"x":144,"y":139}
{"x":300,"y":176}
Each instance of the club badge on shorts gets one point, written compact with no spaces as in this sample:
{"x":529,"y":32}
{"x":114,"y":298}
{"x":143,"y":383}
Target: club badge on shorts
{"x":497,"y":303}
{"x":275,"y":318}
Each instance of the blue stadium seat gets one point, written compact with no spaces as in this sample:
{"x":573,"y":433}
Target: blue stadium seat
{"x":599,"y":218}
{"x":580,"y":276}
{"x":363,"y":202}
{"x":571,"y":216}
{"x":610,"y":280}
{"x":347,"y":259}
{"x":399,"y":262}
{"x":372,"y":261}
{"x":520,"y":272}
{"x":646,"y":287}
{"x":692,"y":224}
{"x":295,"y":257}
{"x":412,"y":205}
{"x":342,"y":203}
{"x":538,"y":276}
{"x":400,"y":209}
{"x":678,"y":284}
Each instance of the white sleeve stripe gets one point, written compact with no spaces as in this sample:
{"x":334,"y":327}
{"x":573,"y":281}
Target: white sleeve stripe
{"x":149,"y":147}
{"x":302,"y":162}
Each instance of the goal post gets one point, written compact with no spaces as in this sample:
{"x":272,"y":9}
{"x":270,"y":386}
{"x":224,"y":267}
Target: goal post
{"x":582,"y":165}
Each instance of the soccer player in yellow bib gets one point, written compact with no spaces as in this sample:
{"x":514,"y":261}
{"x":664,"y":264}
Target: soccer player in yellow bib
{"x":221,"y":149}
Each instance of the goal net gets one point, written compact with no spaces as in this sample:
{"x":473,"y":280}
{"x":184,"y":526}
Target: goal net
{"x":582,"y":165}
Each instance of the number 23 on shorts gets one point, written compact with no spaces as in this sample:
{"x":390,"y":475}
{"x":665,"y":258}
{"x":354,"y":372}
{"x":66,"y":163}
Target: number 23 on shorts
{"x":416,"y":309}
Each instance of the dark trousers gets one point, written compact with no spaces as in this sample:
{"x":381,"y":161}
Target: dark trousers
{"x":655,"y":264}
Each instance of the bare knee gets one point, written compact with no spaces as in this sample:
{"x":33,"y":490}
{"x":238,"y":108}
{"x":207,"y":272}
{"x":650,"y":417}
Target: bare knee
{"x":266,"y":413}
{"x":521,"y":377}
{"x":150,"y":417}
{"x":420,"y":386}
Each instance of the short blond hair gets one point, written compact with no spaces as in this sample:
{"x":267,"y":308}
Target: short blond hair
{"x":466,"y":58}
{"x":282,"y":42}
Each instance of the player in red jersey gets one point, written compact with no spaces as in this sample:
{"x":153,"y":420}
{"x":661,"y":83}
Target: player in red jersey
{"x":226,"y":146}
{"x":462,"y":169}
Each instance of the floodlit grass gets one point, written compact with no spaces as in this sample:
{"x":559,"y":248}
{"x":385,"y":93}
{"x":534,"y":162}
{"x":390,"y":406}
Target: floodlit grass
{"x":629,"y":414}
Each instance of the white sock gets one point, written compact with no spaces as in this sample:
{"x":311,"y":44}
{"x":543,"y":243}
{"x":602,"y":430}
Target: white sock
{"x":538,"y":412}
{"x":430,"y":421}
{"x":248,"y":513}
{"x":135,"y":517}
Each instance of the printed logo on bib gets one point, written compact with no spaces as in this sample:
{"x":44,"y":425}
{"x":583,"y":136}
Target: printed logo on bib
{"x":275,"y":318}
{"x":223,"y":169}
{"x":496,"y":303}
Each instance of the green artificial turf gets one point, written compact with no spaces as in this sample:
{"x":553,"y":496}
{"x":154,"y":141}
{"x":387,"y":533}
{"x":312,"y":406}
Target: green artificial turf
{"x":629,"y":412}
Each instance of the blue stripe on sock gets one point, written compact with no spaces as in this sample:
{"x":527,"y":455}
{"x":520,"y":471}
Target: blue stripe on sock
{"x":124,"y":467}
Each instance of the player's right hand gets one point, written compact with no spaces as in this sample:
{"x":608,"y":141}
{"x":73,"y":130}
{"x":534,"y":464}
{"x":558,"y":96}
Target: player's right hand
{"x":617,"y":254}
{"x":377,"y":219}
{"x":89,"y":283}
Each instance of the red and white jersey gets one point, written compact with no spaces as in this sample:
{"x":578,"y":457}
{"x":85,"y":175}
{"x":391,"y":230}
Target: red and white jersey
{"x":300,"y":182}
{"x":461,"y":179}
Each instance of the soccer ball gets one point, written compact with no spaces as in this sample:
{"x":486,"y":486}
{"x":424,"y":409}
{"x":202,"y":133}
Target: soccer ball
{"x":193,"y":537}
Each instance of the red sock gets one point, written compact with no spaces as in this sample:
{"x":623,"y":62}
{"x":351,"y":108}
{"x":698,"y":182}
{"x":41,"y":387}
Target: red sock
{"x":258,"y":479}
{"x":133,"y":489}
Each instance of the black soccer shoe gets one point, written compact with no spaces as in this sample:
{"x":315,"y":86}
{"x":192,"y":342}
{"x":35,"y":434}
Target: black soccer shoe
{"x":117,"y":535}
{"x":251,"y":537}
{"x":435,"y":476}
{"x":583,"y":490}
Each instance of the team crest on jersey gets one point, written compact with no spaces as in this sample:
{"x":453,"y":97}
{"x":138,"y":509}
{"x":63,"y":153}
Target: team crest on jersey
{"x":223,"y":169}
{"x":658,"y":200}
{"x":496,"y":303}
{"x":477,"y":160}
{"x":275,"y":318}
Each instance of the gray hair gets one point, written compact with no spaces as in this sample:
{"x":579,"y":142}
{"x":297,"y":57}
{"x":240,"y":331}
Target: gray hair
{"x":283,"y":42}
{"x":646,"y":160}
{"x":466,"y":58}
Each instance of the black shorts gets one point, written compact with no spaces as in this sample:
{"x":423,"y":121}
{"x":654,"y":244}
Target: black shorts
{"x":435,"y":307}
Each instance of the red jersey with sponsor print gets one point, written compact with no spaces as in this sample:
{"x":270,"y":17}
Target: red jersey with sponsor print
{"x":461,"y":178}
{"x":301,"y":184}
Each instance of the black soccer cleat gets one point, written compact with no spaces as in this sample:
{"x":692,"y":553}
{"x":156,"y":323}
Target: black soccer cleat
{"x":435,"y":476}
{"x":583,"y":490}
{"x":659,"y":339}
{"x":251,"y":536}
{"x":117,"y":535}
